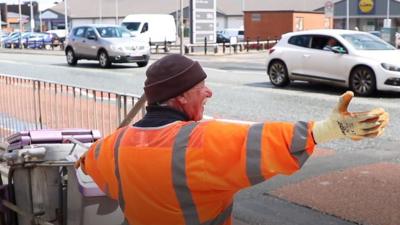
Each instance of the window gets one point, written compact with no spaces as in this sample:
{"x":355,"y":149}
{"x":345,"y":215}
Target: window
{"x":145,"y":28}
{"x":323,"y":42}
{"x":256,"y":17}
{"x":300,"y":40}
{"x":299,"y":23}
{"x":367,"y":42}
{"x":90,"y":32}
{"x":134,"y":26}
{"x":80,"y":32}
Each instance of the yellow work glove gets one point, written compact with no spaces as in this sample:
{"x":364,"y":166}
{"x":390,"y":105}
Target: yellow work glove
{"x":352,"y":125}
{"x":81,"y":162}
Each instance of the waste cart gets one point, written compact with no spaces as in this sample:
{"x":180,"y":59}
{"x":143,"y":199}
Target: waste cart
{"x":44,"y":188}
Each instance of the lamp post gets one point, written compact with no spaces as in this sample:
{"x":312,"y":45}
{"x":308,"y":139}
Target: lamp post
{"x":1,"y":21}
{"x":387,"y":9}
{"x":20,"y":16}
{"x":66,"y":17}
{"x":32,"y":20}
{"x":181,"y":27}
{"x":116,"y":12}
{"x":100,"y":11}
{"x":347,"y":15}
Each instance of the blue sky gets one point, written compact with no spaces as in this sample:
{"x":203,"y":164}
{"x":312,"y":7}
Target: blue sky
{"x":43,"y":4}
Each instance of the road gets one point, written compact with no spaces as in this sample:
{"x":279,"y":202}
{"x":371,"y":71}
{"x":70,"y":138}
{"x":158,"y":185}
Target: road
{"x":241,"y":91}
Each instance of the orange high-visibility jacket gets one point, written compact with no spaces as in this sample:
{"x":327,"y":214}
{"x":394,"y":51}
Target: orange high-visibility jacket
{"x":187,"y":172}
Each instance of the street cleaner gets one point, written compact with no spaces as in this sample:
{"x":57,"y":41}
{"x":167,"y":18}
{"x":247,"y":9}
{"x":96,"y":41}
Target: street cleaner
{"x":174,"y":168}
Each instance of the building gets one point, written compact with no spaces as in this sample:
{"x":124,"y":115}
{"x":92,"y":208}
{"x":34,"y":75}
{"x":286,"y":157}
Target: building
{"x":269,"y":19}
{"x":10,"y":15}
{"x":366,"y":15}
{"x":13,"y":22}
{"x":229,"y":12}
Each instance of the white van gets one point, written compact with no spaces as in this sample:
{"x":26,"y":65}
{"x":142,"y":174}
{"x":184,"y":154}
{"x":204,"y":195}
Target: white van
{"x":155,"y":28}
{"x":234,"y":32}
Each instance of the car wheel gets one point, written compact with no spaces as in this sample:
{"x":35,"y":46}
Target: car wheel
{"x":362,"y":81}
{"x":71,"y":59}
{"x":104,"y":60}
{"x":278,"y":74}
{"x":142,"y":64}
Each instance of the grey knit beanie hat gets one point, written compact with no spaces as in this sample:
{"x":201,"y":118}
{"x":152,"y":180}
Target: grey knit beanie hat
{"x":171,"y":76}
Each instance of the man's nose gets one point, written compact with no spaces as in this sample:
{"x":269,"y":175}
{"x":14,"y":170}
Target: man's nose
{"x":209,"y":92}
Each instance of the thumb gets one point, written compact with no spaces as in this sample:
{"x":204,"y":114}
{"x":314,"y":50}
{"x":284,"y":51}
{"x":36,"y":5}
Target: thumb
{"x":344,"y":102}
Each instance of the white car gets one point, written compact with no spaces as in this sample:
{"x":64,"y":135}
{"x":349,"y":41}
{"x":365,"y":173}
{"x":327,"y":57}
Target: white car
{"x":358,"y":60}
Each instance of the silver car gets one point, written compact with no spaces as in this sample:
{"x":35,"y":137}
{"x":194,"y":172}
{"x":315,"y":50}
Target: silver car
{"x":107,"y":44}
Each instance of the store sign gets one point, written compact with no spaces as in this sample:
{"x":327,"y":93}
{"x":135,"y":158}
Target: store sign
{"x":366,"y":6}
{"x":329,"y":9}
{"x":204,"y":21}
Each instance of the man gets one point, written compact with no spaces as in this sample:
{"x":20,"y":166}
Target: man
{"x":171,"y":168}
{"x":331,"y":43}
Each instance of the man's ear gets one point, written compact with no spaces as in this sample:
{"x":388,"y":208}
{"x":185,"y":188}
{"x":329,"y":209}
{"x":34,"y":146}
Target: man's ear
{"x":181,"y":99}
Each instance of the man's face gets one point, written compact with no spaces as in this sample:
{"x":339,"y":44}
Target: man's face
{"x":195,"y":99}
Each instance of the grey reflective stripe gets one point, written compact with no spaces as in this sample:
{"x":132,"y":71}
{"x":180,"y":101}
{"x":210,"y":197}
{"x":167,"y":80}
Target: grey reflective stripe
{"x":253,"y":154}
{"x":97,"y":149}
{"x":179,"y":179}
{"x":222,"y":217}
{"x":116,"y":164}
{"x":299,"y":142}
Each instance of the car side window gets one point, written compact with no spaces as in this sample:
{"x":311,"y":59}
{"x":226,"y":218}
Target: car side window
{"x":90,"y":32}
{"x":300,"y":40}
{"x":322,"y":42}
{"x":145,"y":28}
{"x":80,"y":32}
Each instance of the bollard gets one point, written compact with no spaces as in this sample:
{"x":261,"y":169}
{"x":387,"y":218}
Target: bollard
{"x":223,"y":47}
{"x":205,"y":45}
{"x":235,"y":48}
{"x":157,"y":49}
{"x":216,"y":49}
{"x":258,"y":43}
{"x":186,"y":49}
{"x":247,"y":44}
{"x":165,"y":46}
{"x":43,"y":46}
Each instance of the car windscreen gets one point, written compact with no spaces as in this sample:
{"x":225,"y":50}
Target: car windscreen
{"x":113,"y":32}
{"x":132,"y":26}
{"x":367,"y":42}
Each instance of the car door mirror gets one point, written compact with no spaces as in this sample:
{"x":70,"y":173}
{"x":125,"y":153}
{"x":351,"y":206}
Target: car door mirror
{"x":339,"y":50}
{"x":92,"y":37}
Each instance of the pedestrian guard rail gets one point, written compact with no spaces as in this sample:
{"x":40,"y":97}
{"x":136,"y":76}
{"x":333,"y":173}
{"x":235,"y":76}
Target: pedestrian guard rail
{"x":33,"y":104}
{"x":39,"y":143}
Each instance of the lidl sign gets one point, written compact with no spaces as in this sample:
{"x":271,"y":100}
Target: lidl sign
{"x":366,"y":6}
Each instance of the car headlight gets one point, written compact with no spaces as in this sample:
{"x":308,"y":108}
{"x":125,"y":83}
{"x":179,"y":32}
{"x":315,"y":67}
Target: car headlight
{"x":391,"y":67}
{"x":117,"y":48}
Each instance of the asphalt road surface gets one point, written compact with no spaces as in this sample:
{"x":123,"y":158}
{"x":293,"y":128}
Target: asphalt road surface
{"x":241,"y":91}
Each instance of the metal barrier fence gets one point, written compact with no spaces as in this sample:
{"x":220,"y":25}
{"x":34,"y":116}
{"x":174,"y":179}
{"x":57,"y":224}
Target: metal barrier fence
{"x":27,"y":104}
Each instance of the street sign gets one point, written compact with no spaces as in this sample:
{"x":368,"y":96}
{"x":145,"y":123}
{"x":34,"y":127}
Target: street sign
{"x":329,"y":9}
{"x":387,"y":23}
{"x":203,"y":21}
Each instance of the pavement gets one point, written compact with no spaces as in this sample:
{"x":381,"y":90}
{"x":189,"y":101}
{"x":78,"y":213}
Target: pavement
{"x":333,"y":188}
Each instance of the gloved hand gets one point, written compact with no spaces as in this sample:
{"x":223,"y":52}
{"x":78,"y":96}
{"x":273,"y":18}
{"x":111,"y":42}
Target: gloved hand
{"x":352,"y":125}
{"x":81,"y":162}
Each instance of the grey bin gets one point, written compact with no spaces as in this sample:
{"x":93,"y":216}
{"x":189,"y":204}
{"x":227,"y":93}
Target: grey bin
{"x":38,"y":189}
{"x":39,"y":175}
{"x":87,"y":204}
